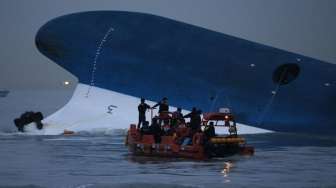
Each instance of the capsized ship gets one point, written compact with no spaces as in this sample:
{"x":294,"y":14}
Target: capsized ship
{"x":141,"y":55}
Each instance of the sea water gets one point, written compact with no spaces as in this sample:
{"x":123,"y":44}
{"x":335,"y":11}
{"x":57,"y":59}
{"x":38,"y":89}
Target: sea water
{"x":102,"y":160}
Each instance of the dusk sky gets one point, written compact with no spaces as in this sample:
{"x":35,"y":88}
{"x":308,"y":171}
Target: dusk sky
{"x":305,"y":27}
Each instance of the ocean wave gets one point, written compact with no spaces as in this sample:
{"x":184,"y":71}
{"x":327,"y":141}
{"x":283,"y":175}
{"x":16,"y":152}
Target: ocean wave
{"x":21,"y":186}
{"x":92,"y":132}
{"x":137,"y":185}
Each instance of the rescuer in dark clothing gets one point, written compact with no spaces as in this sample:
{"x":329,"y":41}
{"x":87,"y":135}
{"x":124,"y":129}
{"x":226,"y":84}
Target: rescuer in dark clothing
{"x":156,"y":130}
{"x":145,"y":129}
{"x":142,"y":112}
{"x":195,"y":119}
{"x":209,"y":130}
{"x":178,"y":114}
{"x":177,"y":117}
{"x":163,"y":105}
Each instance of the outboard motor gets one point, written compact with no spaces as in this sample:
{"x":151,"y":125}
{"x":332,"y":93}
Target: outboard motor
{"x":27,"y":118}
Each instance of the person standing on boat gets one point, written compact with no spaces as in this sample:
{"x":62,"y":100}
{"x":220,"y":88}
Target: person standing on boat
{"x":177,"y":117}
{"x":163,"y":106}
{"x":195,"y":119}
{"x":178,"y":114}
{"x":142,"y":112}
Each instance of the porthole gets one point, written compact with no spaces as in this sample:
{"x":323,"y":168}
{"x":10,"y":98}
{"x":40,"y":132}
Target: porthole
{"x":286,"y":73}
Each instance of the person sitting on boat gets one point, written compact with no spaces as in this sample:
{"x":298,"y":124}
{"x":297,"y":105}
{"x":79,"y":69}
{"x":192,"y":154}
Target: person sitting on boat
{"x":181,"y":132}
{"x":195,"y":119}
{"x":233,"y":129}
{"x":231,"y":124}
{"x":145,"y":129}
{"x":163,"y":106}
{"x":187,"y":139}
{"x":209,"y":130}
{"x":142,"y":112}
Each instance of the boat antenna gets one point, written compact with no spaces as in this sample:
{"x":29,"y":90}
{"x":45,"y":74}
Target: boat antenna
{"x":214,"y":100}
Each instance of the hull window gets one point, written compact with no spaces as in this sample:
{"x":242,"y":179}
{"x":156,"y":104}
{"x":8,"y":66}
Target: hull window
{"x":286,"y":73}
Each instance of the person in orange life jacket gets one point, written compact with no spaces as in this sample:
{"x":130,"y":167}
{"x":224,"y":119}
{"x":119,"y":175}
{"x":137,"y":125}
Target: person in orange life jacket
{"x":142,"y":112}
{"x":167,"y":129}
{"x":163,"y":105}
